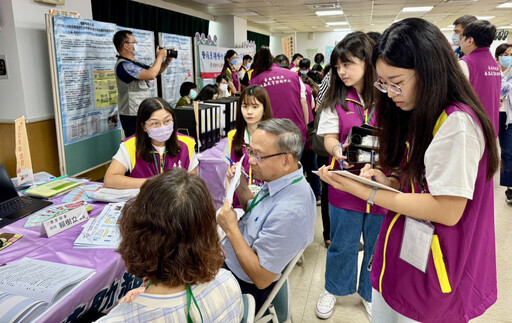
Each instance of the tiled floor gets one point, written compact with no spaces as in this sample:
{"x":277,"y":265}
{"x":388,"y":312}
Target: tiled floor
{"x":307,"y":281}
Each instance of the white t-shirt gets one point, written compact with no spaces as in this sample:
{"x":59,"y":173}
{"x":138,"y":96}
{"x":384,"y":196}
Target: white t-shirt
{"x":329,"y":121}
{"x":123,"y":157}
{"x":452,"y":158}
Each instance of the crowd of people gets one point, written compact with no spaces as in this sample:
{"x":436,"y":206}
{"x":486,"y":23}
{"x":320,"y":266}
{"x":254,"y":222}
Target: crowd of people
{"x":428,"y":250}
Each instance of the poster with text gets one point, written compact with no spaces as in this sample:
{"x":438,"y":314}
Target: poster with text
{"x":85,"y":58}
{"x":211,"y":59}
{"x":289,"y":46}
{"x":180,"y":70}
{"x":328,"y":52}
{"x":146,"y":52}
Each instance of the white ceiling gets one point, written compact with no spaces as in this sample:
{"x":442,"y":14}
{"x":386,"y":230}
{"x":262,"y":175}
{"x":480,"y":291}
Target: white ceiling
{"x":283,"y":16}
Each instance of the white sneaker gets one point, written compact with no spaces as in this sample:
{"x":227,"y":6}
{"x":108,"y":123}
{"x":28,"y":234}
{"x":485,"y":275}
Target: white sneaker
{"x":325,"y":305}
{"x":368,"y":307}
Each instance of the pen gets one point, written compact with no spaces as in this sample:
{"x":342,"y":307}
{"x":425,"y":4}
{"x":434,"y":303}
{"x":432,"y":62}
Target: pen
{"x":372,"y":161}
{"x":341,"y":152}
{"x":232,"y":162}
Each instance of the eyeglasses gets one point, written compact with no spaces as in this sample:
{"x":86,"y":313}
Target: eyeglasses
{"x":392,"y":87}
{"x":158,"y":124}
{"x":257,"y":158}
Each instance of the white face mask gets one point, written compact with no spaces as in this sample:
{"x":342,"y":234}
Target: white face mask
{"x":223,"y":87}
{"x":456,"y":40}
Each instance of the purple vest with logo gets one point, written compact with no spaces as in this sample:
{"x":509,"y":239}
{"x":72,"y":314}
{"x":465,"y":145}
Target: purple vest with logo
{"x":460,"y":280}
{"x":234,"y":75}
{"x":283,"y":88}
{"x":143,"y":169}
{"x":347,"y":120}
{"x":485,"y":77}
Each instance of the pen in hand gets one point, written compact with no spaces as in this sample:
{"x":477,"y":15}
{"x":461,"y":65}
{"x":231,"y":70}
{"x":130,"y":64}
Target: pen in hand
{"x":372,"y":162}
{"x":232,"y":162}
{"x":341,"y":153}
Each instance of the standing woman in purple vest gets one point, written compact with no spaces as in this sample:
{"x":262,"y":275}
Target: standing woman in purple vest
{"x":155,"y":148}
{"x":286,"y":91}
{"x":253,"y":107}
{"x":349,"y":102}
{"x":229,"y":71}
{"x":435,"y":257}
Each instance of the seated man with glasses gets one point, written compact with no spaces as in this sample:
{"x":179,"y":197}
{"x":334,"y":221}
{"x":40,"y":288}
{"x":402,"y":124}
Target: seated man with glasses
{"x":134,"y":79}
{"x":155,"y":148}
{"x":279,"y":221}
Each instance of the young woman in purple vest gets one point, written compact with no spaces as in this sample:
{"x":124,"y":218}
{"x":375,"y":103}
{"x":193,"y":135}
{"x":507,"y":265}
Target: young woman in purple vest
{"x":435,"y":257}
{"x":229,"y":71}
{"x":253,"y":107}
{"x":349,"y":102}
{"x":155,"y":148}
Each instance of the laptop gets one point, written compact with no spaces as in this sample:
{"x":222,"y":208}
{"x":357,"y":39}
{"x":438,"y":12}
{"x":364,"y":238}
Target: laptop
{"x":12,"y":206}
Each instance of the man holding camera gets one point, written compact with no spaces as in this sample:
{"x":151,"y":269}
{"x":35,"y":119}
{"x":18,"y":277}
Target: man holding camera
{"x":133,"y":78}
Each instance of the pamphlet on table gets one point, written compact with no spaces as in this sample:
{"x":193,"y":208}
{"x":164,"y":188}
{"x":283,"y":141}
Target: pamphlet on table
{"x":7,"y":239}
{"x":114,"y":195}
{"x":85,"y":192}
{"x":102,"y":231}
{"x":36,"y":219}
{"x":55,"y":188}
{"x":29,"y":287}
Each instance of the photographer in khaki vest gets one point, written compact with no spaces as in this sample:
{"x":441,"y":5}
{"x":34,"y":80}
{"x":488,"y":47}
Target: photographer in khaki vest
{"x":133,"y":78}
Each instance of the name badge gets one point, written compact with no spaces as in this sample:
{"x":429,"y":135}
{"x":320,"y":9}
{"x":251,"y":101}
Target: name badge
{"x":416,"y":242}
{"x":64,"y":221}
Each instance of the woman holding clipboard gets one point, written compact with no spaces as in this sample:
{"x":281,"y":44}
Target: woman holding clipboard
{"x":435,"y":258}
{"x":349,"y":102}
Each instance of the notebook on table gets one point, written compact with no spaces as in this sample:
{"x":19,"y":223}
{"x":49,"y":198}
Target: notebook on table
{"x":12,"y":206}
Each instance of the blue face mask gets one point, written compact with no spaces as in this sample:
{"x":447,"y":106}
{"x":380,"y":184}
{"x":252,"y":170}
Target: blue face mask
{"x":234,"y":61}
{"x":305,"y":72}
{"x":192,"y":95}
{"x":505,"y":61}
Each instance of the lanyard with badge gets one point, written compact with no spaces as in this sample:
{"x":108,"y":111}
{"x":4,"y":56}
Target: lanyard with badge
{"x":250,"y":167}
{"x":159,"y":170}
{"x":190,"y":299}
{"x":366,"y":118}
{"x":417,"y":237}
{"x":255,"y":200}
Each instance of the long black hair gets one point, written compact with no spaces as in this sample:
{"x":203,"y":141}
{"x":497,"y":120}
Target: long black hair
{"x":417,"y":44}
{"x":263,"y":60}
{"x":358,"y":45}
{"x":144,"y":146}
{"x":229,"y":54}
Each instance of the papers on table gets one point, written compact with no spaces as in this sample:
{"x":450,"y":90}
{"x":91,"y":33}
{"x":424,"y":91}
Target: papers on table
{"x":29,"y":287}
{"x":102,"y":231}
{"x":233,"y":184}
{"x":52,"y":211}
{"x":115,"y":195}
{"x":85,"y":192}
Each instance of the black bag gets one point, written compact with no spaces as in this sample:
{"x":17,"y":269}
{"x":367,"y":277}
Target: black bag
{"x":316,"y":141}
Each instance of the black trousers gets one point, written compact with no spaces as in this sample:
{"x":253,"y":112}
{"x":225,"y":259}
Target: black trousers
{"x":260,"y":295}
{"x":128,"y":123}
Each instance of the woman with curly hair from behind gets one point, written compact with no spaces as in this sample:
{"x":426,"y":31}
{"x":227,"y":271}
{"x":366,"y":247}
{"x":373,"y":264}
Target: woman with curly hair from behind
{"x":169,"y":237}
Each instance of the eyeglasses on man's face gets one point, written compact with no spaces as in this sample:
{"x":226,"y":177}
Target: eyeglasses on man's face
{"x":258,"y":158}
{"x":153,"y":123}
{"x":391,"y":87}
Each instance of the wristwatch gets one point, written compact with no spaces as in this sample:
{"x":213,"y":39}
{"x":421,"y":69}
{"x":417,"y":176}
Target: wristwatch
{"x":372,"y":195}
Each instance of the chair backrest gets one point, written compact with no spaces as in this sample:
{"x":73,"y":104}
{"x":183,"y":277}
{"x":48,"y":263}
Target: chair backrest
{"x":277,"y":287}
{"x":249,"y":308}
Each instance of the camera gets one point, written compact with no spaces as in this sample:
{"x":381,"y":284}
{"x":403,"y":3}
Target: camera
{"x":171,"y":53}
{"x":363,"y":142}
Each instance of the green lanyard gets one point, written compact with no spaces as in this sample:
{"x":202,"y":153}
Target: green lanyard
{"x":162,"y":164}
{"x":254,"y":202}
{"x":366,"y":118}
{"x":190,"y":297}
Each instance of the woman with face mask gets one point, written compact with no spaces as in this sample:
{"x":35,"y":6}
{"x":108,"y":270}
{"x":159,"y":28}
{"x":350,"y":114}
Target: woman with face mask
{"x":188,"y":92}
{"x":222,"y":85}
{"x":229,"y":71}
{"x":503,"y":55}
{"x":155,"y":148}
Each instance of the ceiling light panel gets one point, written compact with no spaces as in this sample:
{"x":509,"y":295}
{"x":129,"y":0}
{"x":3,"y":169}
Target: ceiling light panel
{"x":329,"y":13}
{"x":417,"y":9}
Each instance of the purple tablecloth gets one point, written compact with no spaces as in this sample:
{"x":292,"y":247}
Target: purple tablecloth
{"x":100,"y":293}
{"x":212,"y":169}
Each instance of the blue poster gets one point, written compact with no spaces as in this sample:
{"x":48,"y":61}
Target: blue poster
{"x":85,"y":58}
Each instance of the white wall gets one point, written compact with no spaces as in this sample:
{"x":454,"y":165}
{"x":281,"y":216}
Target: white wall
{"x":231,"y":31}
{"x":28,"y":91}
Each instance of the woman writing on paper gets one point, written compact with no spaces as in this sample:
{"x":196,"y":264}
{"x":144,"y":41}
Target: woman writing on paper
{"x":349,"y":102}
{"x":169,"y":237}
{"x":253,"y":107}
{"x":436,"y":136}
{"x":155,"y":148}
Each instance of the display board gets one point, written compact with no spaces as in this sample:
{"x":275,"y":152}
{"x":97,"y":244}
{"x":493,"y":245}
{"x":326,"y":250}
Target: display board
{"x":82,"y":59}
{"x":146,"y":51}
{"x":289,"y":45}
{"x":180,"y":70}
{"x":211,"y":59}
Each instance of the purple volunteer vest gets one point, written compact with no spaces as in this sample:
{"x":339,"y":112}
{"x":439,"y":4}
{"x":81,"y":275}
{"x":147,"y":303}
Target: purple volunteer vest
{"x":485,"y":77}
{"x":283,"y":88}
{"x":143,"y":169}
{"x":245,"y":164}
{"x":347,"y":120}
{"x":468,"y":269}
{"x":234,"y":75}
